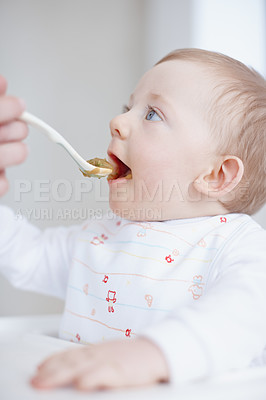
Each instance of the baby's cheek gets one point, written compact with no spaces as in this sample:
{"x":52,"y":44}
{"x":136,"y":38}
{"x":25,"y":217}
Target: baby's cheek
{"x":149,"y":189}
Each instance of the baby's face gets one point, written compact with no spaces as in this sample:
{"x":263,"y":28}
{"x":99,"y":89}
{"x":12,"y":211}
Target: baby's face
{"x":162,"y":139}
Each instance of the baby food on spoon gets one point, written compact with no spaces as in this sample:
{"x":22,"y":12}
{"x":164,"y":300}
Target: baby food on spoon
{"x":120,"y":169}
{"x":98,"y":163}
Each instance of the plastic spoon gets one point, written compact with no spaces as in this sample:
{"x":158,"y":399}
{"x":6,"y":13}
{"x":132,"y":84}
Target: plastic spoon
{"x":86,"y":168}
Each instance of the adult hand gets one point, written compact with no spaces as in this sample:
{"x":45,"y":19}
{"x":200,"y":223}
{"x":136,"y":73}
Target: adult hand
{"x":108,"y":365}
{"x":12,"y":132}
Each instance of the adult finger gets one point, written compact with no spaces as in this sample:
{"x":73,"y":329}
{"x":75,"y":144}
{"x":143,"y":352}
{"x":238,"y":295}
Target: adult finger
{"x":10,"y":108}
{"x":3,"y":85}
{"x":3,"y":183}
{"x":14,"y":131}
{"x":12,"y":154}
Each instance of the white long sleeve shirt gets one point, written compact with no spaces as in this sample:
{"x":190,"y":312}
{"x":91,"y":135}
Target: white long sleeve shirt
{"x":196,"y":287}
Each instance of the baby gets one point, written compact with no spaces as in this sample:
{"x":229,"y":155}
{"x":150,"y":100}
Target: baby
{"x":170,"y":287}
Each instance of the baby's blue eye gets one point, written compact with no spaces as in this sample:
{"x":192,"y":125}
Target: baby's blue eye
{"x":153,"y":116}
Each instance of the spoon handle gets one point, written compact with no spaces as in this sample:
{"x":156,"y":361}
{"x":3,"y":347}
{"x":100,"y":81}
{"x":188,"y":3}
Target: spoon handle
{"x":55,"y":137}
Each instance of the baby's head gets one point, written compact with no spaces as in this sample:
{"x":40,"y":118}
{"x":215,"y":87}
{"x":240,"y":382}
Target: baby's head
{"x":193,"y":136}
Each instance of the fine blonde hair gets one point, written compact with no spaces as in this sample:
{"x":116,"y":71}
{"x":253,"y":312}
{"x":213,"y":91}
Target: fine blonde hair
{"x":237,"y":119}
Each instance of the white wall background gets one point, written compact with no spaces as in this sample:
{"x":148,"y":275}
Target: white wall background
{"x":75,"y":63}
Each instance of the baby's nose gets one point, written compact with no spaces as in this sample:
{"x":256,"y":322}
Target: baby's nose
{"x":119,"y":126}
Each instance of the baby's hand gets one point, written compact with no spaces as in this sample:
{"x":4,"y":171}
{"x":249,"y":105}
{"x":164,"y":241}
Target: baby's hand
{"x":12,"y":151}
{"x":114,"y":364}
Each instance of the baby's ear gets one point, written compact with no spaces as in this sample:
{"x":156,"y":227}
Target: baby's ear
{"x":220,"y":179}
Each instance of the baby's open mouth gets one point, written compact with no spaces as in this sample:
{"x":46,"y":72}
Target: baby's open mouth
{"x":120,"y":170}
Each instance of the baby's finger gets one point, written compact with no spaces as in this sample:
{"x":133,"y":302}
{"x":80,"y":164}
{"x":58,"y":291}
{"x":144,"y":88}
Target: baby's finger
{"x":3,"y":183}
{"x":54,"y":377}
{"x":3,"y":85}
{"x":60,"y":369}
{"x":10,"y":108}
{"x":52,"y":373}
{"x":14,"y":131}
{"x":65,"y":357}
{"x":12,"y":154}
{"x":101,"y":376}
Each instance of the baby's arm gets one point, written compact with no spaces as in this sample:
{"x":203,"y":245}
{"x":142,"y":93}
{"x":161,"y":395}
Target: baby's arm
{"x":12,"y":150}
{"x":224,"y":330}
{"x":32,"y":259}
